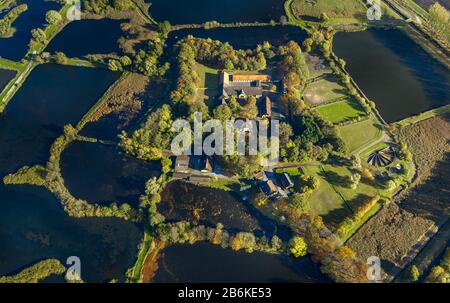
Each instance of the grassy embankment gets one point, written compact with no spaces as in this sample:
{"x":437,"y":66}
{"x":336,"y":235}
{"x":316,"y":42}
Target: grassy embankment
{"x":424,"y":116}
{"x":341,"y":111}
{"x":360,"y":134}
{"x":36,"y":272}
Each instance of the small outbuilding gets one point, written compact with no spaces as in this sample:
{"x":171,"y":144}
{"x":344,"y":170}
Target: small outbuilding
{"x":286,"y":181}
{"x":182,"y":164}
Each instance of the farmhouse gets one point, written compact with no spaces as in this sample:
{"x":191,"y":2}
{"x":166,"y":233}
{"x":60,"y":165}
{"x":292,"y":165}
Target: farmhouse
{"x":241,"y":86}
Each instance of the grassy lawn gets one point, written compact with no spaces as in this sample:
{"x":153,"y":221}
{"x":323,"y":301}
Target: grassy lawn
{"x":324,"y":90}
{"x":326,"y":201}
{"x":333,"y":8}
{"x":339,"y":176}
{"x":292,"y":171}
{"x":341,"y":111}
{"x":8,"y":64}
{"x":224,"y":184}
{"x":374,"y":148}
{"x":358,"y":134}
{"x":209,"y":80}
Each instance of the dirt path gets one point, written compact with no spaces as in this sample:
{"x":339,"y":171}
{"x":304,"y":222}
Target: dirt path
{"x":151,"y":262}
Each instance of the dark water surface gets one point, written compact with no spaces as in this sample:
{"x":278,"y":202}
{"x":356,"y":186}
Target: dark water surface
{"x":244,"y":37}
{"x":103,"y":174}
{"x":225,"y":11}
{"x":15,"y":47}
{"x":33,"y":225}
{"x":394,"y":71}
{"x":207,"y":263}
{"x":84,"y":37}
{"x":6,"y":76}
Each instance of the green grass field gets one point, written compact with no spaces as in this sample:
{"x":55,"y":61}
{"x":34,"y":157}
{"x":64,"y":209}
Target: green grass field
{"x":371,"y":149}
{"x":324,"y":90}
{"x":334,"y":9}
{"x":359,"y":134}
{"x":325,"y":201}
{"x":209,"y":83}
{"x":338,"y":177}
{"x":334,"y":200}
{"x":341,"y":111}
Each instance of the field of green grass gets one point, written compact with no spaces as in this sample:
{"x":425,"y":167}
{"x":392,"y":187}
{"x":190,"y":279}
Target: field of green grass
{"x":324,"y":90}
{"x":359,"y":134}
{"x":209,"y":84}
{"x":335,"y":200}
{"x":371,"y":149}
{"x":341,"y":111}
{"x":338,"y":177}
{"x":333,"y":8}
{"x":325,"y":201}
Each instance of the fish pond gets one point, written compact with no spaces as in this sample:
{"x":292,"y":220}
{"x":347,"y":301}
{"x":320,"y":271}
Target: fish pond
{"x":207,"y":263}
{"x":101,"y":173}
{"x":394,"y":71}
{"x":84,"y":37}
{"x":15,"y":47}
{"x":224,"y":11}
{"x":33,"y":226}
{"x":244,"y":37}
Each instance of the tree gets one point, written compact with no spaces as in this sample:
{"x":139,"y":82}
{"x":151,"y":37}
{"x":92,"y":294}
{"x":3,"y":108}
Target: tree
{"x":298,"y":246}
{"x":125,"y":61}
{"x":166,"y":163}
{"x":121,"y":4}
{"x":414,"y":274}
{"x":324,"y":17}
{"x":300,"y":202}
{"x":39,"y":35}
{"x":222,"y":113}
{"x":53,"y":17}
{"x":164,"y":28}
{"x":114,"y":65}
{"x":354,"y":180}
{"x":60,"y":58}
{"x":307,"y":44}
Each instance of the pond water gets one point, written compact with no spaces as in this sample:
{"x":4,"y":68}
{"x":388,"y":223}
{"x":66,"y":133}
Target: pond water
{"x":394,"y":71}
{"x":244,"y":37}
{"x":6,"y":76}
{"x":84,"y":37}
{"x":15,"y":47}
{"x":225,"y":11}
{"x":103,"y":174}
{"x":33,"y":225}
{"x":207,"y":263}
{"x":52,"y":96}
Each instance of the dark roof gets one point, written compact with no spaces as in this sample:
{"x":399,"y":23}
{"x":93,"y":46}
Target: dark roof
{"x":269,"y":187}
{"x":286,"y":180}
{"x":236,"y":90}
